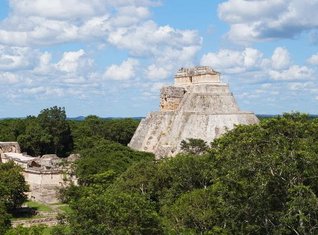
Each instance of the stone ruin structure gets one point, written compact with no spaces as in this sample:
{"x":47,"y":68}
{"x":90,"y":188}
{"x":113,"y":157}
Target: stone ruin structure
{"x":199,"y":106}
{"x":9,"y":147}
{"x":45,"y":174}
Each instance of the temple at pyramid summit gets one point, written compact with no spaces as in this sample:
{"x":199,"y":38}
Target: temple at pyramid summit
{"x":199,"y":105}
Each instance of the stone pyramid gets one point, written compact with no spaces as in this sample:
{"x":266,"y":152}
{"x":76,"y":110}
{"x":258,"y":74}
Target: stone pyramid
{"x":199,"y":106}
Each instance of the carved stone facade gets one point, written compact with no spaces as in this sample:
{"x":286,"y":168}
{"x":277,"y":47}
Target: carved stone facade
{"x":199,"y":106}
{"x":9,"y":147}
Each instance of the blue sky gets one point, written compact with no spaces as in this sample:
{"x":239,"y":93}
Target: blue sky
{"x":110,"y":58}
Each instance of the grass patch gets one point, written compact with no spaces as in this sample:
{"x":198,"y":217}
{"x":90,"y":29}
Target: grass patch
{"x":38,"y":206}
{"x":65,"y":208}
{"x":31,"y":210}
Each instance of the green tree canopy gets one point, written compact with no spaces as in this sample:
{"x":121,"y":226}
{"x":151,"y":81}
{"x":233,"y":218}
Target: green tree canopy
{"x":54,"y":123}
{"x":119,"y":213}
{"x":12,"y":186}
{"x":194,"y":146}
{"x":105,"y":161}
{"x":5,"y":222}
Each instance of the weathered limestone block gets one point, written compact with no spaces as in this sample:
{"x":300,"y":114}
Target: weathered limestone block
{"x":9,"y":147}
{"x":202,"y":108}
{"x":170,"y":98}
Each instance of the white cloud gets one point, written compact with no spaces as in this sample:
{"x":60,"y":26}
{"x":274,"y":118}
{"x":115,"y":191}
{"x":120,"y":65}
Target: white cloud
{"x":154,"y":72}
{"x":251,"y":65}
{"x":45,"y":66}
{"x":303,"y":86}
{"x":71,"y":61}
{"x":233,"y":61}
{"x":57,"y":9}
{"x":259,"y":19}
{"x":14,"y":58}
{"x":39,"y":22}
{"x":166,"y":48}
{"x":280,"y":58}
{"x":295,"y":72}
{"x":150,"y":39}
{"x":252,"y":57}
{"x":8,"y":78}
{"x":124,"y":71}
{"x":124,"y":25}
{"x":313,"y":59}
{"x":72,"y":9}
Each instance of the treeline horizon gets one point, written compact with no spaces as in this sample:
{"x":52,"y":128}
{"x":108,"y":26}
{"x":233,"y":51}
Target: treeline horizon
{"x":52,"y":132}
{"x":81,"y":118}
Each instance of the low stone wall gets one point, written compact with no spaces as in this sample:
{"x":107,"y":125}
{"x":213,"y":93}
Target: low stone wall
{"x":51,"y":221}
{"x":44,"y":185}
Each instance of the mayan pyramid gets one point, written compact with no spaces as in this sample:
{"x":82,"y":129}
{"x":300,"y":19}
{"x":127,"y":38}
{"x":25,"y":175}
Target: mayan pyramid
{"x":199,"y":105}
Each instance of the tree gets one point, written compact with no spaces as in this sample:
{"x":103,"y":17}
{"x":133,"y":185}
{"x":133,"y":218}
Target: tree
{"x":33,"y":230}
{"x":93,"y":129}
{"x":10,"y":129}
{"x":114,"y":213}
{"x":54,"y":123}
{"x":194,"y":146}
{"x":262,"y":165}
{"x":47,"y":133}
{"x":121,"y":130}
{"x":12,"y":186}
{"x":163,"y":182}
{"x":35,"y":140}
{"x":106,"y":161}
{"x":256,"y":179}
{"x":5,"y":222}
{"x":199,"y":211}
{"x":301,"y":213}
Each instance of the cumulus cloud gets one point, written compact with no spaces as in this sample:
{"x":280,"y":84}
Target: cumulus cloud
{"x":8,"y":78}
{"x":268,"y":19}
{"x":44,"y":66}
{"x":154,"y":72}
{"x":274,"y":81}
{"x":233,"y":61}
{"x":313,"y":59}
{"x":15,"y":58}
{"x":32,"y":26}
{"x":150,"y":39}
{"x":57,"y":9}
{"x":72,"y":61}
{"x":124,"y":71}
{"x":295,"y":72}
{"x":303,"y":86}
{"x":278,"y":67}
{"x":40,"y":22}
{"x":280,"y":58}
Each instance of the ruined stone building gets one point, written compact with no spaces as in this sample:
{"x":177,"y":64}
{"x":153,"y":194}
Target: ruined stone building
{"x":199,"y":105}
{"x":45,"y":174}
